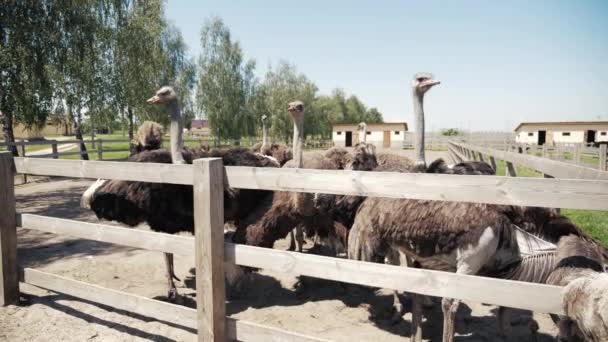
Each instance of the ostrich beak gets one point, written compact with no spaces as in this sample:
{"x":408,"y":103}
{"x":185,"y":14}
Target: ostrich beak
{"x":153,"y":100}
{"x":430,"y":83}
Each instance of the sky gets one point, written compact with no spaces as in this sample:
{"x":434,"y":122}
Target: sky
{"x":500,"y":63}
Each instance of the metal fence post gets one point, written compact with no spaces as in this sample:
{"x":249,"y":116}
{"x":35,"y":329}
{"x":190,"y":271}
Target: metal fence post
{"x":9,"y":281}
{"x":209,"y":249}
{"x":23,"y":155}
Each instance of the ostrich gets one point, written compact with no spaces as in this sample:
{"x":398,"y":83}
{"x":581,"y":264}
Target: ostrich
{"x":279,"y":215}
{"x":149,"y":137}
{"x":169,"y":207}
{"x":281,"y":153}
{"x":457,"y":237}
{"x":585,"y":301}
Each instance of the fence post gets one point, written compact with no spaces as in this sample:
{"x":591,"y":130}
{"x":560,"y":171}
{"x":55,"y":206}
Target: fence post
{"x":54,"y":149}
{"x":209,"y":249}
{"x":577,"y":154}
{"x":510,"y":169}
{"x":9,"y":281}
{"x":493,"y":163}
{"x":23,"y":155}
{"x":603,"y":152}
{"x":99,"y":150}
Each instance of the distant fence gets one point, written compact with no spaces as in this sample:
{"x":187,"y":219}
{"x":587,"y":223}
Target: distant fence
{"x":98,"y":148}
{"x":553,"y":168}
{"x":437,"y":141}
{"x":209,"y":251}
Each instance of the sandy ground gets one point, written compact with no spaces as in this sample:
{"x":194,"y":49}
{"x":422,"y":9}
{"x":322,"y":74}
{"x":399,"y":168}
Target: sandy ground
{"x":323,"y":309}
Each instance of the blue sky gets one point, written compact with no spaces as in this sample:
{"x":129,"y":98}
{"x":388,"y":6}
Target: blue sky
{"x":499,"y":62}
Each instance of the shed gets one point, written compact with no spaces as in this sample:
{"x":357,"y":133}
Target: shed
{"x":569,"y":132}
{"x":387,"y":135}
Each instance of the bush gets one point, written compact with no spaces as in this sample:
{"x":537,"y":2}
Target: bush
{"x":450,"y":132}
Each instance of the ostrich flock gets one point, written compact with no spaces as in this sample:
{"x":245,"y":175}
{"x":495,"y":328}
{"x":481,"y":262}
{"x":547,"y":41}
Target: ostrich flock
{"x":510,"y":242}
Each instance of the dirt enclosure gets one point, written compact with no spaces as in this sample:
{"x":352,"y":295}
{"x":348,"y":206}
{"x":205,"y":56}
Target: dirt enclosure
{"x":321,"y":308}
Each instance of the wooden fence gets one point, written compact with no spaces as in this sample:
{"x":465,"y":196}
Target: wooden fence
{"x":579,"y":154}
{"x":551,"y":168}
{"x":210,"y":252}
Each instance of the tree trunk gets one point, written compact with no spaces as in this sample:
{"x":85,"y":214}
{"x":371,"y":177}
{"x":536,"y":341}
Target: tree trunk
{"x":83,"y":148}
{"x":9,"y":137}
{"x":130,"y":116}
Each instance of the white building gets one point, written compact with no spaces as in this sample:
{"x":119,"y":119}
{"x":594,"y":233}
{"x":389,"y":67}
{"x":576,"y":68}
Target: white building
{"x":387,"y":135}
{"x":574,"y":132}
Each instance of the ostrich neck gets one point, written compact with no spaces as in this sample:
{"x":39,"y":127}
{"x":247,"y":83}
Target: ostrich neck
{"x":298,"y":141}
{"x":363,"y":134}
{"x":418,"y":100}
{"x":303,"y":201}
{"x":264,"y":137}
{"x":176,"y":134}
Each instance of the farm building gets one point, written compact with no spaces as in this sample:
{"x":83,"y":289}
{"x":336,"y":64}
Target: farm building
{"x":200,"y":127}
{"x":21,"y":132}
{"x":387,"y":135}
{"x":573,"y":132}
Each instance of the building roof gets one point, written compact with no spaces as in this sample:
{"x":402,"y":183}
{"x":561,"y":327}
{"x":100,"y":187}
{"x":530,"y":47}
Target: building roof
{"x":562,"y":123}
{"x":200,"y":123}
{"x":372,"y":125}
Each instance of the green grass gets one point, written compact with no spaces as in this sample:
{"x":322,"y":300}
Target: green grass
{"x":593,"y":222}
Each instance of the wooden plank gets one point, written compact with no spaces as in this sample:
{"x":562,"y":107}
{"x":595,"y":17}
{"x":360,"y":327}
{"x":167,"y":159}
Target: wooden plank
{"x":515,"y":294}
{"x":182,"y":245}
{"x":335,"y":269}
{"x":158,"y":310}
{"x":493,"y":163}
{"x":161,"y":311}
{"x":603,"y":157}
{"x":55,"y":153}
{"x":510,"y":170}
{"x":554,"y":168}
{"x":528,"y":191}
{"x":100,"y":149}
{"x":209,"y":237}
{"x":23,"y":155}
{"x":145,"y":172}
{"x":9,"y":283}
{"x":559,"y":193}
{"x":577,"y":154}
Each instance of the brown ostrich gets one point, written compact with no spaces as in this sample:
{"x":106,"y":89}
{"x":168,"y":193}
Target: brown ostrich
{"x":281,"y":153}
{"x":168,"y":208}
{"x":149,"y":137}
{"x":276,"y":217}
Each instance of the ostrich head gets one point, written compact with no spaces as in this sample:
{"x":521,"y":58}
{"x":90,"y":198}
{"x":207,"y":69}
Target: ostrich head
{"x":296,"y":109}
{"x":422,"y":82}
{"x":264,"y":117}
{"x":167,"y":96}
{"x":164,"y":95}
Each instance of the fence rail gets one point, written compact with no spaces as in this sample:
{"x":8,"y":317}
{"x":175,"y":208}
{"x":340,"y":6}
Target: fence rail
{"x":210,"y":252}
{"x":550,"y":167}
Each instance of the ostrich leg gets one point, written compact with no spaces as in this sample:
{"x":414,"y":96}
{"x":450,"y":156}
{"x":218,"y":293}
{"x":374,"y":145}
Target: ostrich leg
{"x":449,"y":307}
{"x":172,"y":294}
{"x":416,"y":333}
{"x":292,"y":242}
{"x":299,"y":238}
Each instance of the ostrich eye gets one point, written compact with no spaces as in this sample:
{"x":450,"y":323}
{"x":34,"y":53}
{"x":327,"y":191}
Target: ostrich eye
{"x":164,"y":93}
{"x":299,"y":107}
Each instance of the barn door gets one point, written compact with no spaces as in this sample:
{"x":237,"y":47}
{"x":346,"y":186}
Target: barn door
{"x":387,"y":139}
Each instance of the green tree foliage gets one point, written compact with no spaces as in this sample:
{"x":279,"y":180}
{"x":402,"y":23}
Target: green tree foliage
{"x":25,"y":55}
{"x":450,"y":132}
{"x":226,"y":84}
{"x":282,"y":85}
